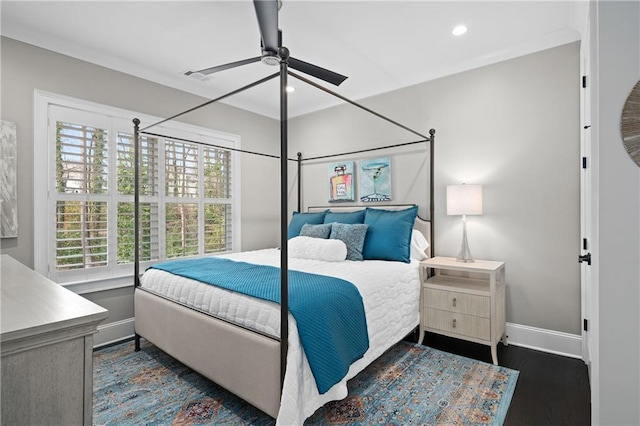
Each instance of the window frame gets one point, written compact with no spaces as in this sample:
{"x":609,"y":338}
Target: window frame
{"x":120,"y":120}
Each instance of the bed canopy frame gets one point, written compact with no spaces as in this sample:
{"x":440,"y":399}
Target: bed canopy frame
{"x":283,"y":73}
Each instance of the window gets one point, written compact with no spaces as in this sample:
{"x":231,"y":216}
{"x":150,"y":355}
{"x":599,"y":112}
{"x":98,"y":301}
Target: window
{"x":86,"y":220}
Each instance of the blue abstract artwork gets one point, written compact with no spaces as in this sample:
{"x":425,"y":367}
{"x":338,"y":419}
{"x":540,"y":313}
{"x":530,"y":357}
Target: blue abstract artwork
{"x":375,"y":180}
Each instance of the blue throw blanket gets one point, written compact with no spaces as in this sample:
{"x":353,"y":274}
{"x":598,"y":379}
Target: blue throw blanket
{"x":328,"y":311}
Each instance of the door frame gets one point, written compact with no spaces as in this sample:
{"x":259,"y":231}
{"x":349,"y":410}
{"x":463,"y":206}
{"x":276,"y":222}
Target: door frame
{"x":589,"y":201}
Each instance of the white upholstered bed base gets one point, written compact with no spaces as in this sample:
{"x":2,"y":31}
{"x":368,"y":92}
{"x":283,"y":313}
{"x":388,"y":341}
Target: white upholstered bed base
{"x":240,"y":360}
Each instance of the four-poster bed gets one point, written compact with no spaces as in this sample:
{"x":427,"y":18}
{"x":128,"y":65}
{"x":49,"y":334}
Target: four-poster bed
{"x":270,"y":369}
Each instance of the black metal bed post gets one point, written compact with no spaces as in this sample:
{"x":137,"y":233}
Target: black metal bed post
{"x":284,"y":214}
{"x":299,"y":160}
{"x":432,"y":184}
{"x":136,"y":213}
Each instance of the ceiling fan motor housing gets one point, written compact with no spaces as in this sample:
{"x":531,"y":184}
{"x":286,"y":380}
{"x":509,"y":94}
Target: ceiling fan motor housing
{"x":270,"y":58}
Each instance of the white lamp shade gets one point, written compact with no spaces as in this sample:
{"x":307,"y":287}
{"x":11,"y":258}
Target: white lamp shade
{"x":464,"y":199}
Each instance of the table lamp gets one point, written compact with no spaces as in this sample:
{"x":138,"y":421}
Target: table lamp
{"x":464,"y":200}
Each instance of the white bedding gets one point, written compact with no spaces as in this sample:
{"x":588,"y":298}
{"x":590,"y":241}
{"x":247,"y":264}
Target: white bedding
{"x":390,"y":293}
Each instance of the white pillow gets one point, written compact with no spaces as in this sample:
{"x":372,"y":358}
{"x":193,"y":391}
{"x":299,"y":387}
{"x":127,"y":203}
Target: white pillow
{"x":317,"y":249}
{"x":419,"y":245}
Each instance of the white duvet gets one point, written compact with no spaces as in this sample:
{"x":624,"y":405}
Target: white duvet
{"x":390,"y":293}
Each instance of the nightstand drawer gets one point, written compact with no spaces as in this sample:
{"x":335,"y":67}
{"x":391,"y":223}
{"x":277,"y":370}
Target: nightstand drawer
{"x":469,"y":304}
{"x":451,"y":322}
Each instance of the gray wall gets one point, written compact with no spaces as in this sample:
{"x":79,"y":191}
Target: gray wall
{"x":617,"y":52}
{"x":512,"y":127}
{"x":25,"y":68}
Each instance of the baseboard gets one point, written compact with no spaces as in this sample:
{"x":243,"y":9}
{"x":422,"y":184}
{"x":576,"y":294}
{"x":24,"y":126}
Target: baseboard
{"x":540,"y":339}
{"x":114,"y":332}
{"x":555,"y":342}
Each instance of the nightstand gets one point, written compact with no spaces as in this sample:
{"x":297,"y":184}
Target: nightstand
{"x":464,"y":300}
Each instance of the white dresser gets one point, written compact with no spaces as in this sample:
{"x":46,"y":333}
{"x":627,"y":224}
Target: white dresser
{"x":46,"y":346}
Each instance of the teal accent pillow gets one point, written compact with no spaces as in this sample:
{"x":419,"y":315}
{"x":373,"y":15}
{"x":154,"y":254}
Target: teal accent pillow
{"x":389,"y":235}
{"x":345,"y":217}
{"x":316,"y":231}
{"x":352,"y":235}
{"x":299,"y":219}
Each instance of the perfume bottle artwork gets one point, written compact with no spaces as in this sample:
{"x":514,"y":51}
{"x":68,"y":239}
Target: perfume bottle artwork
{"x":341,"y":182}
{"x":375,"y":185}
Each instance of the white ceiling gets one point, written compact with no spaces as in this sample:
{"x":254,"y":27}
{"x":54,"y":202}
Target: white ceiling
{"x":381,"y":45}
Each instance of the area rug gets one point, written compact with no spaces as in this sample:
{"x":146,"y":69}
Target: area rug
{"x":409,"y":384}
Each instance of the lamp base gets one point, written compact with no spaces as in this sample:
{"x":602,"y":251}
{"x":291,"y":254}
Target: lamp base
{"x":465,"y":253}
{"x":459,"y":259}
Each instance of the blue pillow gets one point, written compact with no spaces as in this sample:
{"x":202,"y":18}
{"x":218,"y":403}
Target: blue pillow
{"x":342,"y":217}
{"x":299,"y":219}
{"x":316,"y":231}
{"x":352,"y":235}
{"x":389,"y":235}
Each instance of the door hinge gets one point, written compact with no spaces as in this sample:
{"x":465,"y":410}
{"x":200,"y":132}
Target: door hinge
{"x":585,"y":324}
{"x":584,"y":244}
{"x":585,"y":258}
{"x":584,"y":162}
{"x":584,"y":81}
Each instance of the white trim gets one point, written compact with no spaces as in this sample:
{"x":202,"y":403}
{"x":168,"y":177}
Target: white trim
{"x":554,"y":342}
{"x":593,"y":309}
{"x":114,"y":332}
{"x":93,"y":286}
{"x":81,"y":282}
{"x":540,"y":339}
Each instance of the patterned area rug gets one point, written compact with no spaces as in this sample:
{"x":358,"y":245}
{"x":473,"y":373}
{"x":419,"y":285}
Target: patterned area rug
{"x":409,"y":384}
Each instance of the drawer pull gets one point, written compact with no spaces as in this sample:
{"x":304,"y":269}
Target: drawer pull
{"x":454,"y":302}
{"x":454,"y":323}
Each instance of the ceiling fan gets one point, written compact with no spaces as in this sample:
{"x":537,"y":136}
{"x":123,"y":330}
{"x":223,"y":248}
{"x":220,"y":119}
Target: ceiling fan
{"x":272,"y":49}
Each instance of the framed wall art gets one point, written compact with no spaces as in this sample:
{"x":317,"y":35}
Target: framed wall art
{"x":341,"y":182}
{"x":8,"y":186}
{"x":375,"y":180}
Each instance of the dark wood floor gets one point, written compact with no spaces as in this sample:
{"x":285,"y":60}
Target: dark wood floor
{"x":551,"y":389}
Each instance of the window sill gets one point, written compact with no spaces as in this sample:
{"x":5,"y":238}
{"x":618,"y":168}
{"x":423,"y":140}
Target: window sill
{"x":94,"y":286}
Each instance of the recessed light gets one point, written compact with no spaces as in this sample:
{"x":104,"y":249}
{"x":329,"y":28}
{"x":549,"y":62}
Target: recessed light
{"x":459,"y":30}
{"x":291,"y":89}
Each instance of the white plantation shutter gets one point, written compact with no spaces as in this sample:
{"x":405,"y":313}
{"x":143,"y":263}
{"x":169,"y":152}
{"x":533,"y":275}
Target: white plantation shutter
{"x":217,"y":173}
{"x":218,"y":230}
{"x":81,"y":159}
{"x":192,"y":170}
{"x":186,"y":195}
{"x":81,"y":171}
{"x":149,"y":173}
{"x":149,"y":232}
{"x":81,"y":235}
{"x":182,"y":236}
{"x":181,"y":169}
{"x":149,"y":211}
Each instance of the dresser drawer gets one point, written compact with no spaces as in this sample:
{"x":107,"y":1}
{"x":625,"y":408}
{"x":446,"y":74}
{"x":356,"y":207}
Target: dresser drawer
{"x":469,"y":304}
{"x":451,"y":322}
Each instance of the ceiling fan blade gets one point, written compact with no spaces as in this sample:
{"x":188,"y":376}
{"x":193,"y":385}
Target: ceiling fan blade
{"x":218,"y":68}
{"x":316,"y":71}
{"x":267,"y":13}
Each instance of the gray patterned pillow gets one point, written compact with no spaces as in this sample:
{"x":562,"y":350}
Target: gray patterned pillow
{"x":316,"y":231}
{"x":352,"y":235}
